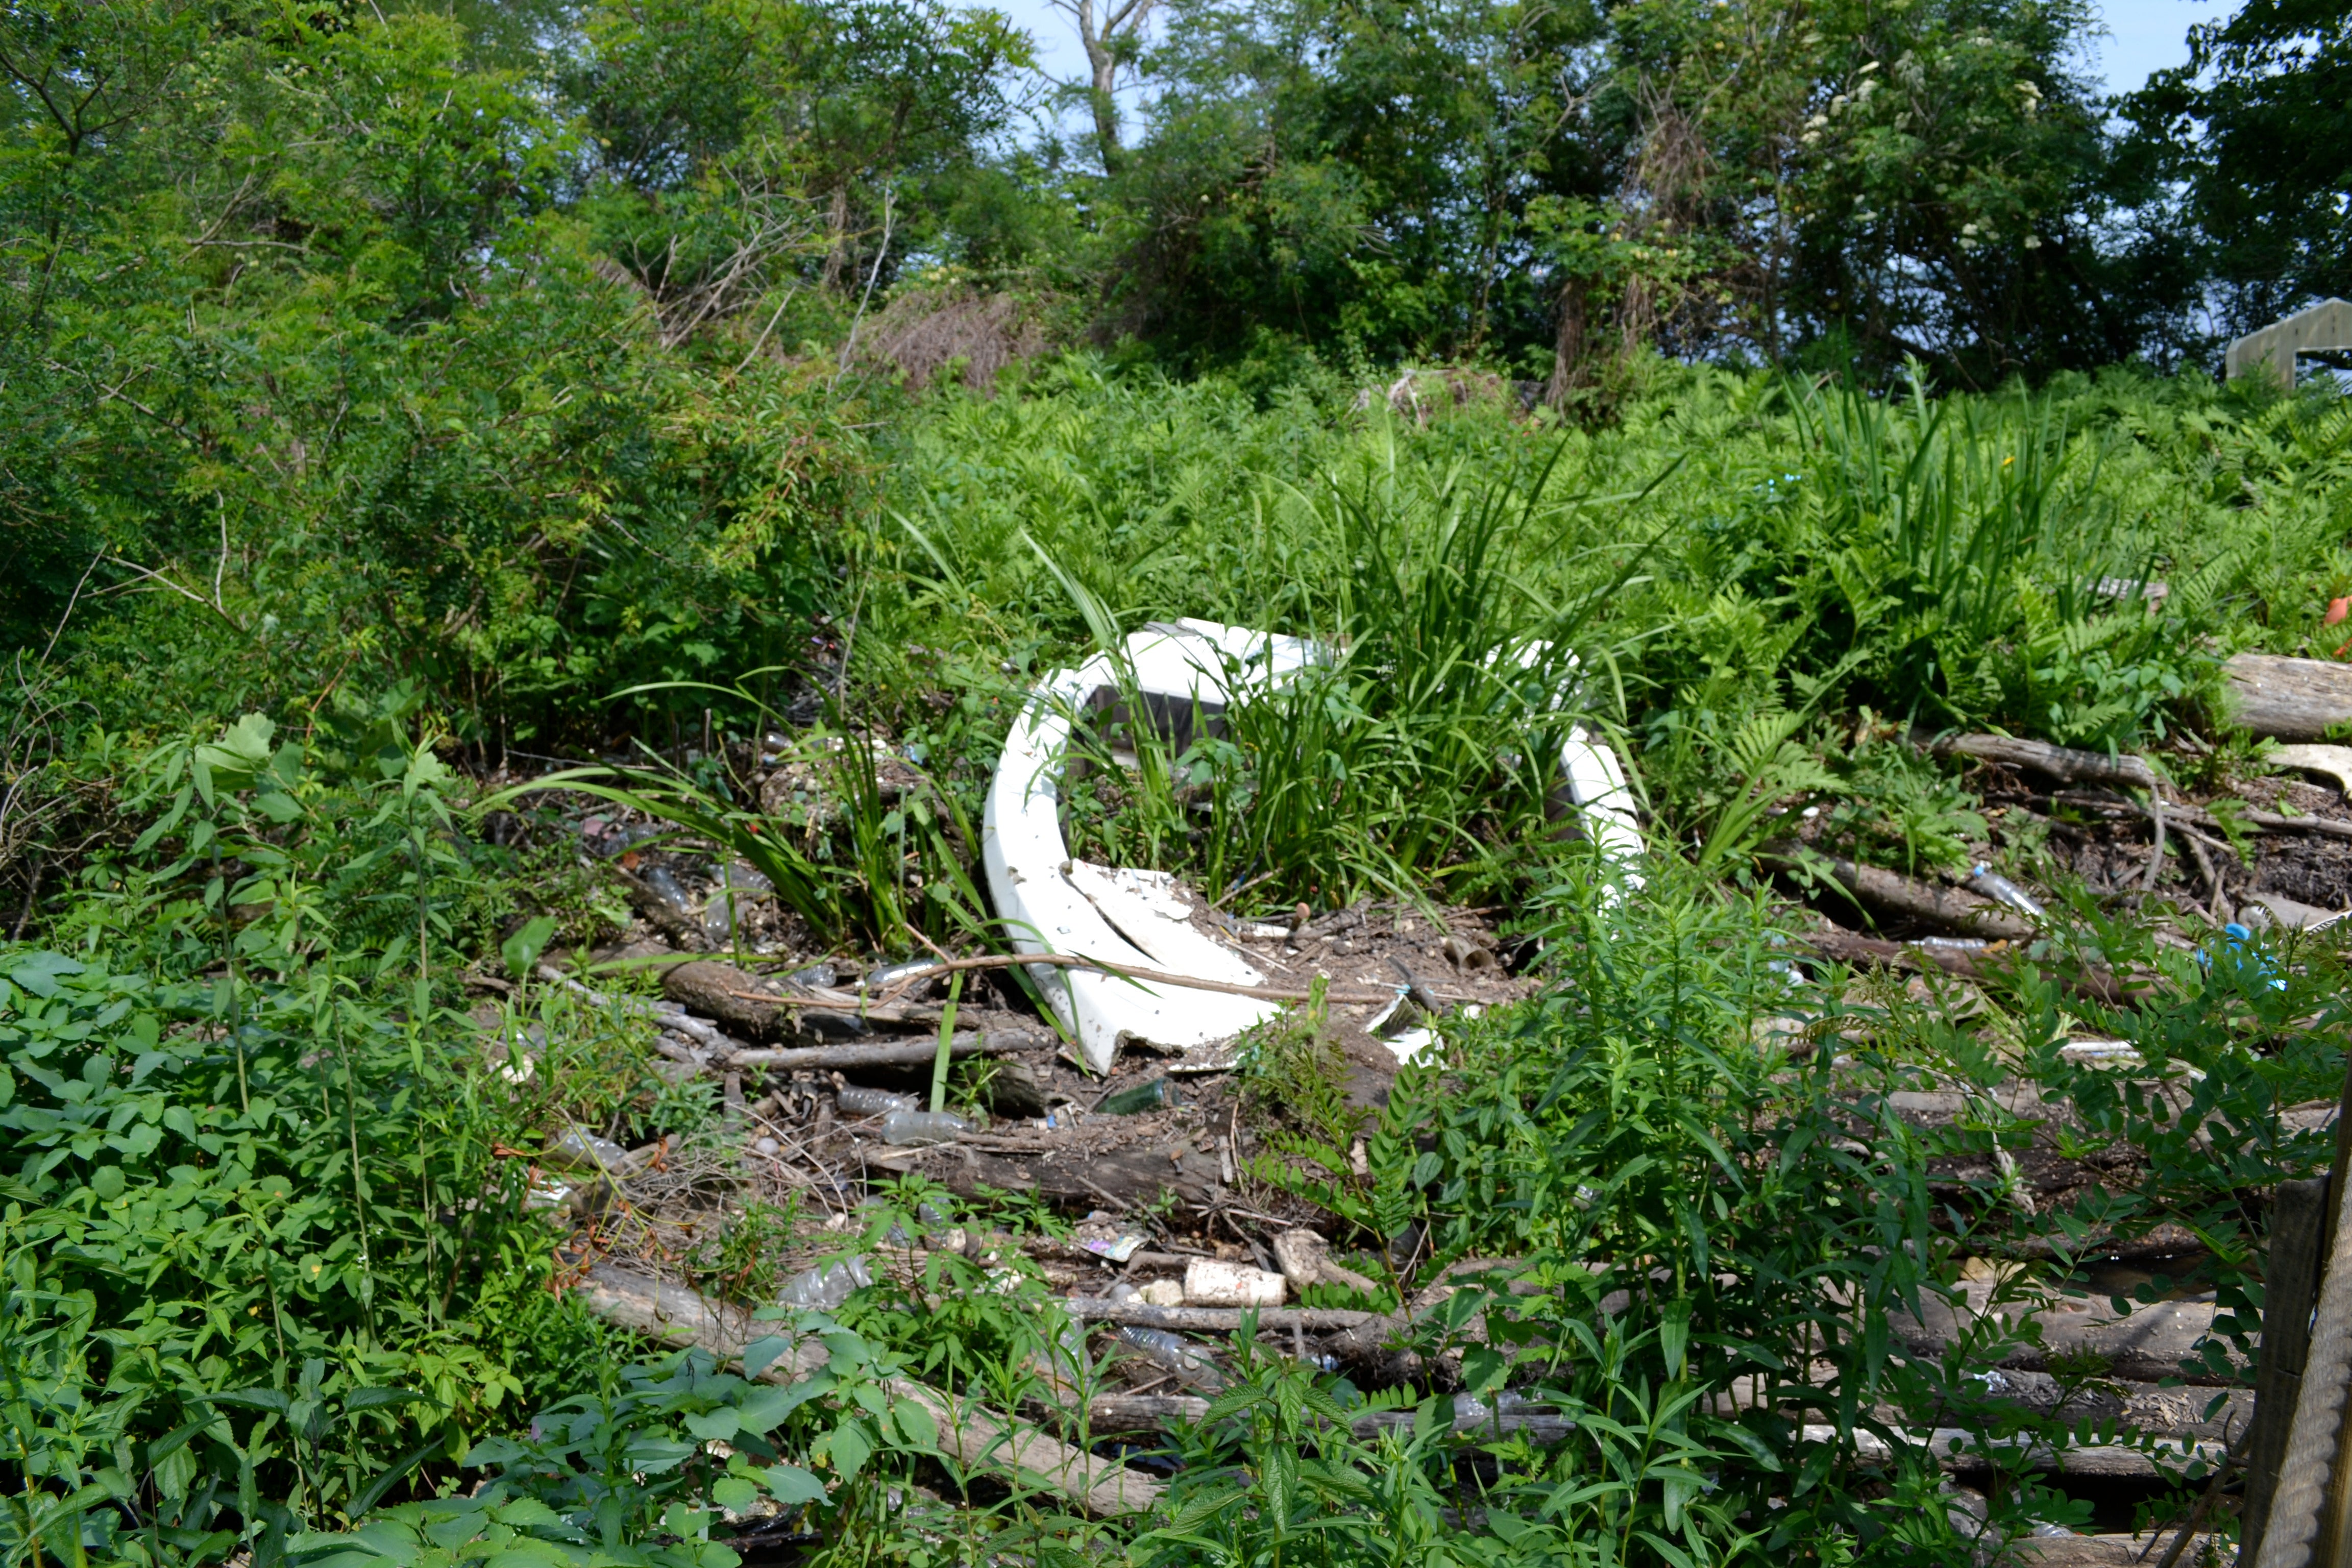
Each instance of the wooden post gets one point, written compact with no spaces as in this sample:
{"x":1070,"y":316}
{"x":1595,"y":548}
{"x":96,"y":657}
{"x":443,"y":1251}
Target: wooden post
{"x":2290,"y":1285}
{"x":2307,"y":1508}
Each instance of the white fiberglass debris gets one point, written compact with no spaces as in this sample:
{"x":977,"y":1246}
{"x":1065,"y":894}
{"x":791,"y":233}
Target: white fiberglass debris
{"x":2100,"y":1053}
{"x":1594,"y":782}
{"x":1053,"y":903}
{"x":1133,"y":918}
{"x":2333,"y":762}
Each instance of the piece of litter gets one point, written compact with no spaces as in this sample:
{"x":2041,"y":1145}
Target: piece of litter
{"x":1210,"y":1283}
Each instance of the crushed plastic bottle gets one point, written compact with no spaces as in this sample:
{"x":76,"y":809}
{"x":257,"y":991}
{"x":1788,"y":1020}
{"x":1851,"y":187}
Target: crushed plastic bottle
{"x":855,"y":1100}
{"x":821,"y":974}
{"x":825,"y":1287}
{"x":890,"y":975}
{"x":916,"y":1127}
{"x":582,"y":1150}
{"x":1506,"y":1411}
{"x":1164,"y":1349}
{"x":1152,"y":1096}
{"x":2002,"y":890}
{"x":2239,"y":946}
{"x":1951,"y":943}
{"x":665,"y":886}
{"x":723,"y":915}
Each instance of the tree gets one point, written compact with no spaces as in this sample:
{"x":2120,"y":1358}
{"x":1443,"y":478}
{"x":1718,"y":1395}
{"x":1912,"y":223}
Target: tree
{"x":2257,"y":128}
{"x":1114,"y":42}
{"x":1917,"y":180}
{"x":1354,"y":175}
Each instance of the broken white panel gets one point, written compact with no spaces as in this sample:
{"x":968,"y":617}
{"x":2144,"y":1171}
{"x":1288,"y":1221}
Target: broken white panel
{"x":1594,"y":782}
{"x":2333,"y":762}
{"x":1130,"y":919}
{"x":1591,"y":779}
{"x":1051,"y":904}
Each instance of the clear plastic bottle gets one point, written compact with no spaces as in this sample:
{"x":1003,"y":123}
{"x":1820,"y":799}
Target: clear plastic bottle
{"x":584,"y":1151}
{"x":665,"y":886}
{"x":2002,"y":890}
{"x":1164,"y":1349}
{"x":923,"y":1127}
{"x":854,"y":1100}
{"x":825,"y":1287}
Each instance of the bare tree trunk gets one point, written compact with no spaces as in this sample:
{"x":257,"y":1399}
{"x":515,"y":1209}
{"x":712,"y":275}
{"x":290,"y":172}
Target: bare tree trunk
{"x":1637,"y":316}
{"x":1571,"y":346}
{"x":1102,"y":62}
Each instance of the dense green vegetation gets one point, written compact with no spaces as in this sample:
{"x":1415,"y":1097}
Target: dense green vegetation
{"x":394,"y":396}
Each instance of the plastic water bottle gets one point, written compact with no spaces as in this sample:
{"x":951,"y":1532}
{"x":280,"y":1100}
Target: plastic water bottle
{"x":856,"y":1101}
{"x":1164,"y":1349}
{"x":923,"y":1127}
{"x":584,"y":1151}
{"x":2002,"y":890}
{"x":824,"y":1288}
{"x":665,"y":886}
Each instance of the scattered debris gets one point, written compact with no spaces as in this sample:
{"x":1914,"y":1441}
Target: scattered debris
{"x":968,"y":1431}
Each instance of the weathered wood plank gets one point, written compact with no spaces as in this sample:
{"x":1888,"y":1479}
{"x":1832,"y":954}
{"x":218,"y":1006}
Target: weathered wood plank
{"x":2287,"y":699}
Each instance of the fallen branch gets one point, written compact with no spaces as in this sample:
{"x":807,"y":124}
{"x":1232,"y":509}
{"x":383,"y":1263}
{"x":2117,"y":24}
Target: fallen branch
{"x":1155,"y":976}
{"x":1849,"y":947}
{"x":1213,"y":1320}
{"x":972,"y":1433}
{"x":908,"y":1053}
{"x":1165,"y":1411}
{"x":2269,"y":821}
{"x":736,"y":999}
{"x":669,"y":1016}
{"x":2062,"y":762}
{"x":1896,"y":894}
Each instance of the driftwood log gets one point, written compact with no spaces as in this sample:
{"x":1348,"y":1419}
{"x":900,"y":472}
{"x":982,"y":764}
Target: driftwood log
{"x":2150,"y":1345}
{"x":970,"y":1433}
{"x":1165,"y":1411}
{"x":1215,"y":1319}
{"x":2060,"y":763}
{"x":1121,"y":1180}
{"x":894,"y":1053}
{"x":1892,"y":893}
{"x":763,"y":1009}
{"x":2287,"y":699}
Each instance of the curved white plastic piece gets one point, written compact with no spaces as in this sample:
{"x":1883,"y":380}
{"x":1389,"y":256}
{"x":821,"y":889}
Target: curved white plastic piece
{"x":1051,"y":904}
{"x":1594,"y":782}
